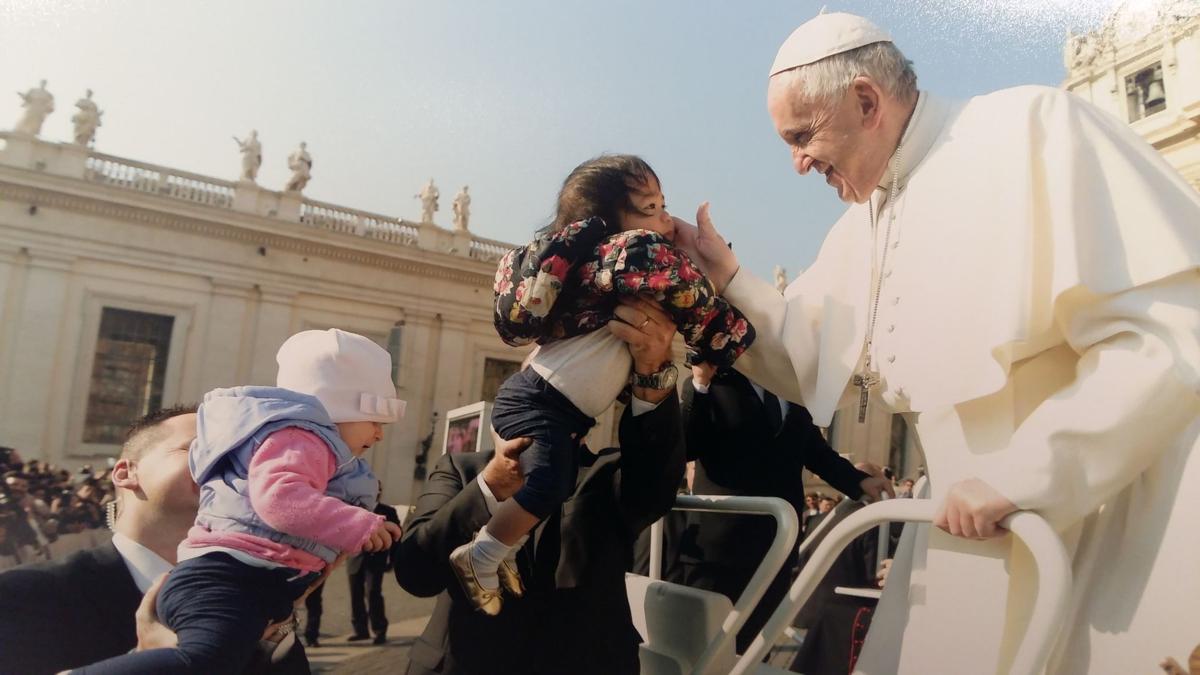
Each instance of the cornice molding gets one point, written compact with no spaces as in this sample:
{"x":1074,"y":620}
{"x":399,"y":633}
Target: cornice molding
{"x":219,"y":229}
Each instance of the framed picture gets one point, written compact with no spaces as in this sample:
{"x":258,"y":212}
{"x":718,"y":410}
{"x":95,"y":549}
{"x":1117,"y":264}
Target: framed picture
{"x":468,"y":429}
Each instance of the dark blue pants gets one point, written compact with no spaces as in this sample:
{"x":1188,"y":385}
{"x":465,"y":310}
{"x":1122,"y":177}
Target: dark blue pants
{"x":219,"y":607}
{"x":528,"y":406}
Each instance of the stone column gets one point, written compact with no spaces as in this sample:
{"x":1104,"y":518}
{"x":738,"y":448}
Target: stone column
{"x":30,"y":379}
{"x":272,"y":325}
{"x":230,"y":319}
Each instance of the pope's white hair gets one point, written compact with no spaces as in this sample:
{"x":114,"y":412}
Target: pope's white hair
{"x":825,"y":81}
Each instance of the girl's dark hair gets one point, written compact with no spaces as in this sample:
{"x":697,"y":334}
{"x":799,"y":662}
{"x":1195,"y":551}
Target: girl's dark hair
{"x":600,"y":188}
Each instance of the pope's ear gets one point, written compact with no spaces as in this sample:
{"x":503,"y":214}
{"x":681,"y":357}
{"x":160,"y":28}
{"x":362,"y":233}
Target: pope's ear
{"x":124,"y":474}
{"x":867,"y":96}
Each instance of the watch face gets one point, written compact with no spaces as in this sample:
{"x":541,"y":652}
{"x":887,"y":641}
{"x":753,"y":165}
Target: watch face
{"x":669,"y":376}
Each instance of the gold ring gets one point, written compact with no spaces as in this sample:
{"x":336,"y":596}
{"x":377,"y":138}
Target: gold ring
{"x":644,"y":323}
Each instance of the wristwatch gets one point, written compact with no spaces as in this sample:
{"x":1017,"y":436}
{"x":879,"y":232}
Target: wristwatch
{"x":664,"y":379}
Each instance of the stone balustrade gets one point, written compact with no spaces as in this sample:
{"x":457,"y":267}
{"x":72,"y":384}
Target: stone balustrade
{"x":158,"y":180}
{"x":31,"y":153}
{"x":488,"y":250}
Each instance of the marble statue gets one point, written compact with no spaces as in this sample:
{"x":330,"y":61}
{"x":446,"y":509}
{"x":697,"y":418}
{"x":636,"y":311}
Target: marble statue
{"x":1080,"y":51}
{"x":462,"y":209}
{"x":38,"y":104}
{"x":87,"y":120}
{"x":251,"y":151}
{"x":781,"y":280}
{"x":429,"y":201}
{"x":300,"y":162}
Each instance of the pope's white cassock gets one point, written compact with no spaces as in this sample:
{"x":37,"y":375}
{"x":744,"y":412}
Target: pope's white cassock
{"x":1038,"y":326}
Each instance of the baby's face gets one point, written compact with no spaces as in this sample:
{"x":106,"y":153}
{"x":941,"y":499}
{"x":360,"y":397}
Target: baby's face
{"x":360,"y":436}
{"x":651,"y":210}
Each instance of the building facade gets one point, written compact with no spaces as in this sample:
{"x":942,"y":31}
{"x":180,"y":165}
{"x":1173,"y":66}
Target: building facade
{"x":125,"y":287}
{"x":1143,"y":65}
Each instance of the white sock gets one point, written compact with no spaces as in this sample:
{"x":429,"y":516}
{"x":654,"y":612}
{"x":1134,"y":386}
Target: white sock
{"x":511,"y":558}
{"x":486,"y":554}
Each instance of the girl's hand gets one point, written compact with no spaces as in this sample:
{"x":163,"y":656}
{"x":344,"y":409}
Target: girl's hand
{"x":385,"y":534}
{"x":702,"y":373}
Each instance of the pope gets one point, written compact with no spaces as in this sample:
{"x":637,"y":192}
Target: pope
{"x":1016,"y":274}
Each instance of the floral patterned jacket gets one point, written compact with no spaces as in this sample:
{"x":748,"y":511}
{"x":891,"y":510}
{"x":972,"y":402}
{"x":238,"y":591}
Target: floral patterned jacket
{"x":567,"y":283}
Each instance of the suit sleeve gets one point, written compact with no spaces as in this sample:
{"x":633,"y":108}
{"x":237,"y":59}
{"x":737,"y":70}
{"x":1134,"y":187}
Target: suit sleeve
{"x":652,"y":461}
{"x":447,"y":514}
{"x":700,"y":428}
{"x":826,"y":463}
{"x":29,"y":616}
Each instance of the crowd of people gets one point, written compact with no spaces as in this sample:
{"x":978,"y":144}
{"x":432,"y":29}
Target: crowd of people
{"x":47,"y":512}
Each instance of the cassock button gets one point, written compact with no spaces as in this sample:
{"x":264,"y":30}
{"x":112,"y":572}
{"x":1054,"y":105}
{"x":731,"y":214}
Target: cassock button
{"x":892,"y":358}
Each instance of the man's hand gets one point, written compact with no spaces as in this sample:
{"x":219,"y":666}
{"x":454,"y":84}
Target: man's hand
{"x":649,"y":332}
{"x":875,"y":484}
{"x":881,"y":576}
{"x":503,"y":474}
{"x":973,"y":509}
{"x":151,"y":634}
{"x":707,"y":248}
{"x":702,"y":374}
{"x":382,"y":538}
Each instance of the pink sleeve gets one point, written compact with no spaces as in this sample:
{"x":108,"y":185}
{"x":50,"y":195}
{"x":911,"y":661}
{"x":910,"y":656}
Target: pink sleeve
{"x":288,"y":475}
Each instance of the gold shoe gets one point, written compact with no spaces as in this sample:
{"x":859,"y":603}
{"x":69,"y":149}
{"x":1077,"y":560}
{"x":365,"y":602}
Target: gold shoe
{"x":510,"y":579}
{"x":485,"y":600}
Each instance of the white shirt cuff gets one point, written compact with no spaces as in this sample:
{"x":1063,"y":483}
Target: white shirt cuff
{"x":641,"y":407}
{"x":700,"y":388}
{"x":488,"y":497}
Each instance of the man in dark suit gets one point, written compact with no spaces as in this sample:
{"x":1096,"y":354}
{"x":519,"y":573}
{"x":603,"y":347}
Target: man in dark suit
{"x":65,"y":614}
{"x":574,"y":616}
{"x":747,"y":442}
{"x":365,"y":572}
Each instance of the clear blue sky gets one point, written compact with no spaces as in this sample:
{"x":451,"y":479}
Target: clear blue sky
{"x":504,"y":96}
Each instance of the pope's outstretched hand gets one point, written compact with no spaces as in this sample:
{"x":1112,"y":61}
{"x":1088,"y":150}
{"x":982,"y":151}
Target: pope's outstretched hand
{"x":707,"y":248}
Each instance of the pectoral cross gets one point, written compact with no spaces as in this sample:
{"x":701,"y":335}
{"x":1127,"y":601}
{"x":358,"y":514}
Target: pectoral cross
{"x":864,"y":384}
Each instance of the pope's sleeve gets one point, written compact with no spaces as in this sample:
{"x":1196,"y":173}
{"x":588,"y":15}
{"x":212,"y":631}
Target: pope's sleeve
{"x":766,"y":361}
{"x":1126,"y":299}
{"x":1134,"y":395}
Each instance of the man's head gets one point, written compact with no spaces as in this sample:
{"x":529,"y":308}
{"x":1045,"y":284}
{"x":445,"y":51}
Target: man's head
{"x":840,"y":95}
{"x":827,"y":504}
{"x":152,"y":476}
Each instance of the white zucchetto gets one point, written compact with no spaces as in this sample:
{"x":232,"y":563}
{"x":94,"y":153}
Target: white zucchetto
{"x":823,"y":36}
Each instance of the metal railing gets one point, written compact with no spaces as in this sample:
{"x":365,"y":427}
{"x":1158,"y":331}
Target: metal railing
{"x":1041,"y":630}
{"x":787,"y":529}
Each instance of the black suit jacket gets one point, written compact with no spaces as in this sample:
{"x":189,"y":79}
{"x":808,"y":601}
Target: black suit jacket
{"x":69,"y":613}
{"x":77,"y":611}
{"x":727,"y":433}
{"x":575,"y":616}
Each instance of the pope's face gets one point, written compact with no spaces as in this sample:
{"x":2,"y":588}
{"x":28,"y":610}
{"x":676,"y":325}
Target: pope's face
{"x":836,"y":140}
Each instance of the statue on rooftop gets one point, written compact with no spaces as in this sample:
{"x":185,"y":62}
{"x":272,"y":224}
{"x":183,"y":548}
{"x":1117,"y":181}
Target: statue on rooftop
{"x":87,"y":120}
{"x":300,"y":162}
{"x":251,"y":151}
{"x":462,"y":209}
{"x":38,"y":104}
{"x":429,"y":201}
